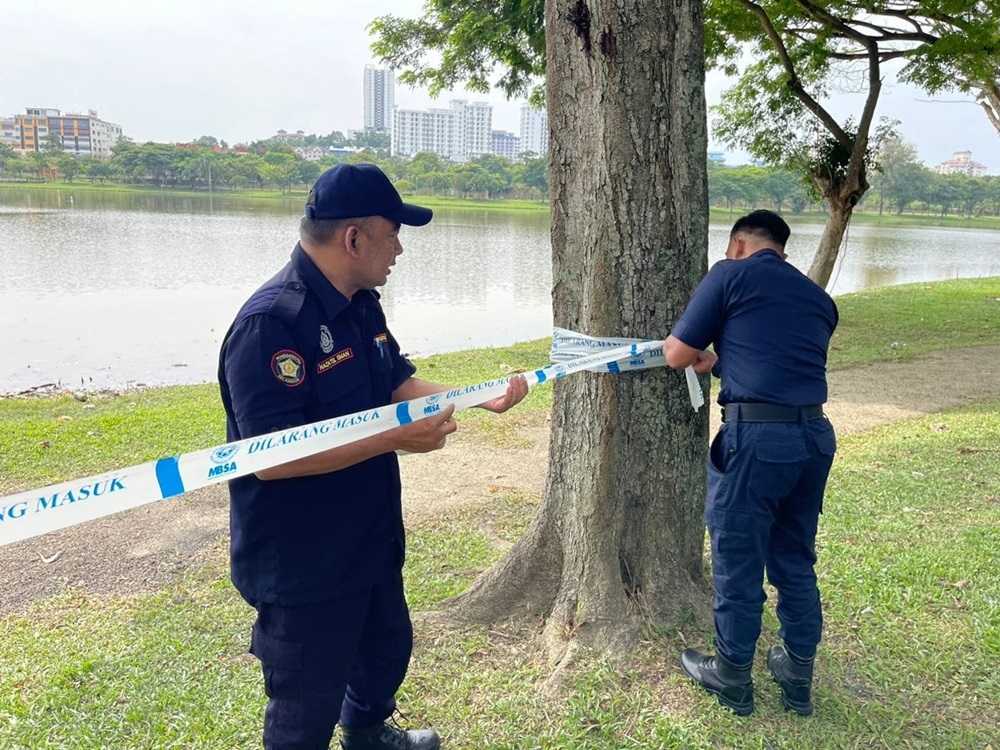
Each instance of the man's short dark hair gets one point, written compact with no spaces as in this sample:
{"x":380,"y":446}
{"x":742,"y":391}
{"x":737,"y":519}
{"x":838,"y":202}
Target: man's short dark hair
{"x":765,"y":224}
{"x":322,"y":231}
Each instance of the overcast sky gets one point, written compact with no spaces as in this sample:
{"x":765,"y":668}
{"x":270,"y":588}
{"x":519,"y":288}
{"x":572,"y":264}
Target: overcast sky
{"x":172,"y":70}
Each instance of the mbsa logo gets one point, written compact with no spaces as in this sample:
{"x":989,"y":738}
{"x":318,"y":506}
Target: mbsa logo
{"x":218,"y":471}
{"x":433,"y":398}
{"x":222,"y":454}
{"x":431,"y":409}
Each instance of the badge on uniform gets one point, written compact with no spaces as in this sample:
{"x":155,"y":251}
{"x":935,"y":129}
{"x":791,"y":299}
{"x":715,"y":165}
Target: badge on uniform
{"x":325,"y":340}
{"x":288,"y":367}
{"x":341,"y":356}
{"x":381,"y":343}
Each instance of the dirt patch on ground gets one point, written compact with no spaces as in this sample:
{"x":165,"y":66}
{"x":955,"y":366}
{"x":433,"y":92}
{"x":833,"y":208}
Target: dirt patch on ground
{"x":143,"y":549}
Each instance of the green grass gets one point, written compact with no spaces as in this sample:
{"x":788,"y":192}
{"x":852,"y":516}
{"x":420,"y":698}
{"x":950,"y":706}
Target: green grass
{"x":900,"y":322}
{"x":907,"y":564}
{"x":500,"y":204}
{"x":922,"y":220}
{"x":59,"y":438}
{"x":868,"y":217}
{"x":907,"y":557}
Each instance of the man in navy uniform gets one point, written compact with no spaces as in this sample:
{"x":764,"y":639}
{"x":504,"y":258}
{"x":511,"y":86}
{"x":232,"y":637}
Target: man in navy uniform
{"x":770,"y":327}
{"x":317,"y":544}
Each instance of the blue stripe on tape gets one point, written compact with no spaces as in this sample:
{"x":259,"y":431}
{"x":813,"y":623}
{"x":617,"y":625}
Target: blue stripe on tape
{"x":403,"y":413}
{"x":540,"y":374}
{"x":635,"y":350}
{"x":613,"y":367}
{"x":168,"y":474}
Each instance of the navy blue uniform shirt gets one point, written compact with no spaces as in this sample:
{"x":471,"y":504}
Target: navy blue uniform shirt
{"x":770,"y":326}
{"x":300,"y":352}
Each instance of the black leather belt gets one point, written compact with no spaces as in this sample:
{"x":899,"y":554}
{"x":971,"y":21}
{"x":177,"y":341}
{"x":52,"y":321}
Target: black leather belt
{"x":769,"y":413}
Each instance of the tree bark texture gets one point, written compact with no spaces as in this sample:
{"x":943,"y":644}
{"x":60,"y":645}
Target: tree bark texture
{"x":618,"y":538}
{"x":841,"y":196}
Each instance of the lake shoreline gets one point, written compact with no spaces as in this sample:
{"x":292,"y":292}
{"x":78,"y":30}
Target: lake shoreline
{"x":497,"y":205}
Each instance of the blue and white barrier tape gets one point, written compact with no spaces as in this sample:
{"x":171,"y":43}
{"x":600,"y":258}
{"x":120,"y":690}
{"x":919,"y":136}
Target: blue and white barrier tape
{"x":568,"y":345}
{"x":35,"y":512}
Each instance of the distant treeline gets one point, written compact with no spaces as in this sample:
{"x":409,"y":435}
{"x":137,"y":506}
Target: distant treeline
{"x":902,"y":184}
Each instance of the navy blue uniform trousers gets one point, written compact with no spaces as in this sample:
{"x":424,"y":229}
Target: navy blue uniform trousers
{"x":765,"y":494}
{"x":337,"y":660}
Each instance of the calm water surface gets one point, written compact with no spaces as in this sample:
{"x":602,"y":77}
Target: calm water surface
{"x":103,"y":290}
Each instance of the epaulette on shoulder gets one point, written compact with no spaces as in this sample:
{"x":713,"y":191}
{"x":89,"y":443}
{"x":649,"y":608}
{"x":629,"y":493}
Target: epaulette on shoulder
{"x":288,"y":301}
{"x":282,"y":299}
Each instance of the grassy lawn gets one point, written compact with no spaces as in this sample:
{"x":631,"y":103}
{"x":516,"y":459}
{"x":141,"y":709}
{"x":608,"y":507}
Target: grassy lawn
{"x":899,"y":322}
{"x":907,"y":564}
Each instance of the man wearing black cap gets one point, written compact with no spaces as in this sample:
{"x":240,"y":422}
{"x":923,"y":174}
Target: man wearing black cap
{"x":770,"y":326}
{"x":317,"y":544}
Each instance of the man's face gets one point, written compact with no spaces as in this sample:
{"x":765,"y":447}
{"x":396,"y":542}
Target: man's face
{"x":378,"y":247}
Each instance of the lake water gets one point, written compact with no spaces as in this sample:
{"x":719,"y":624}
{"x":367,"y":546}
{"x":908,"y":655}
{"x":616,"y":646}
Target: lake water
{"x":106,"y":290}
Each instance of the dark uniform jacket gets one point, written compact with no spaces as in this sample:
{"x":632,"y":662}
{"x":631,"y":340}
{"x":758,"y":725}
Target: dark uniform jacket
{"x":770,"y":325}
{"x":300,"y":352}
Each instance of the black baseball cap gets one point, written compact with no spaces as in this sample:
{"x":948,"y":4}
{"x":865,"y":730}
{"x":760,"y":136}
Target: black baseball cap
{"x":348,"y":191}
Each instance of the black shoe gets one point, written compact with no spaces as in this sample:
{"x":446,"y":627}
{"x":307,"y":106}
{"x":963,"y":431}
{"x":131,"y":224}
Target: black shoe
{"x":794,"y":676}
{"x":719,"y":676}
{"x":388,"y":737}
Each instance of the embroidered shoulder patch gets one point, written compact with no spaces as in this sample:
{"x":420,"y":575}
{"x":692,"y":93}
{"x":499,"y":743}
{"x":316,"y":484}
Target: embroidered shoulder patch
{"x":288,"y":367}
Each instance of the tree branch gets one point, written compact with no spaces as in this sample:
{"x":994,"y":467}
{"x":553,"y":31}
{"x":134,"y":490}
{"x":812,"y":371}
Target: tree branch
{"x":794,"y":82}
{"x":859,"y":146}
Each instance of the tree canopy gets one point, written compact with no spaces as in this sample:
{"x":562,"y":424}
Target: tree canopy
{"x":477,"y":40}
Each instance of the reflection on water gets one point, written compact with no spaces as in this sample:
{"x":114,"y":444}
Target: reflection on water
{"x":110,"y":288}
{"x":874,"y":256}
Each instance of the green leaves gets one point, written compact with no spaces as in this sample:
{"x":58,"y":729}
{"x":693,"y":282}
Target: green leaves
{"x":466,"y":42}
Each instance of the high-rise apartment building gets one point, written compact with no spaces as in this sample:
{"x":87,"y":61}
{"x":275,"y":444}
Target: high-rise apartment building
{"x":380,"y":98}
{"x":505,"y":144}
{"x":77,"y":134}
{"x":460,"y":133}
{"x":534,"y":131}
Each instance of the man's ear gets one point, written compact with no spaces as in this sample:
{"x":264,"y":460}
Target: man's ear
{"x":739,"y":247}
{"x":351,"y":240}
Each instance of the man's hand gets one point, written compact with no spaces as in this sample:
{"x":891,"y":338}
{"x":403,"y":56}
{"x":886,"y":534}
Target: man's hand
{"x":517,"y":389}
{"x":679,"y":355}
{"x":425,"y":435}
{"x":705,"y":362}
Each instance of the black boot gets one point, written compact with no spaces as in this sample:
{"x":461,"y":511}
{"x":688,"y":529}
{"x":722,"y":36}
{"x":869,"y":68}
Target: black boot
{"x":388,"y":737}
{"x":719,"y":676}
{"x":794,"y":675}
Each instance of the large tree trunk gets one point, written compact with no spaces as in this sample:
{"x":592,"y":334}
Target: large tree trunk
{"x":618,"y":538}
